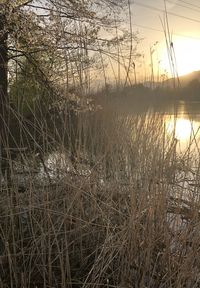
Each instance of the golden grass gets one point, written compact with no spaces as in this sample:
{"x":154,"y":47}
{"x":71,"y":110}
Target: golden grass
{"x":128,"y":222}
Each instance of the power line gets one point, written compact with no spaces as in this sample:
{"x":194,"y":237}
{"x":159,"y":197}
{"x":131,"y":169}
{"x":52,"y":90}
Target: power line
{"x":158,"y":30}
{"x":181,"y":5}
{"x":169,"y":12}
{"x":193,"y":5}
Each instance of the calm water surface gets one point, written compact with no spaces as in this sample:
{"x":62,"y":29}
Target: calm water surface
{"x":183,"y":121}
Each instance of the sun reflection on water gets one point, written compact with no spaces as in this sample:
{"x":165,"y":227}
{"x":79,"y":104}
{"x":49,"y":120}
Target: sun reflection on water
{"x":181,"y":127}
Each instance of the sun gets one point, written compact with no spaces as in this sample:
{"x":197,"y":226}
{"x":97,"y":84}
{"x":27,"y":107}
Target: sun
{"x":187,"y":56}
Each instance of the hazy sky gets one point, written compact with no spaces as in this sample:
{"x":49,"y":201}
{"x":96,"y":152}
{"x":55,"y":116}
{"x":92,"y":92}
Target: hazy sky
{"x":184,"y":22}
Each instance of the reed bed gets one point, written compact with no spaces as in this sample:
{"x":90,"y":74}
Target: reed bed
{"x":108,"y":209}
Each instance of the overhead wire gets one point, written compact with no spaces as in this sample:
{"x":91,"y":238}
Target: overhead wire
{"x":193,"y":5}
{"x":169,"y":12}
{"x":159,"y":30}
{"x":183,"y":6}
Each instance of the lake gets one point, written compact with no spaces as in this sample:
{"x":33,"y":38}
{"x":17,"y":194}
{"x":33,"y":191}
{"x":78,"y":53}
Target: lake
{"x":183,"y":121}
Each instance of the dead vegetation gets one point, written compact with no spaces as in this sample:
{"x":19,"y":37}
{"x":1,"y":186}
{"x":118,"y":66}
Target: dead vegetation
{"x":118,"y":216}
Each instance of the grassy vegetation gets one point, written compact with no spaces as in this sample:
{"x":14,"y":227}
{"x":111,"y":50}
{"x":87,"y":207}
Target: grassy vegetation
{"x":90,"y":196}
{"x":122,"y":212}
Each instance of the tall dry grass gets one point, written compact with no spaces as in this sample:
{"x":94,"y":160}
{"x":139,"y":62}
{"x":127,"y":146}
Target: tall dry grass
{"x":116,"y":214}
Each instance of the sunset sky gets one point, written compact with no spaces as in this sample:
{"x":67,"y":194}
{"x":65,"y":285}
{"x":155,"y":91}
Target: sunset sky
{"x":184,"y":22}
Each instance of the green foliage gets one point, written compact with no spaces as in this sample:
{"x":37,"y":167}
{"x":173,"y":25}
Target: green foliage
{"x":28,"y":95}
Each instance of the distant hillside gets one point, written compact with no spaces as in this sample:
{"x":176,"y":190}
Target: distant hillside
{"x":184,"y":80}
{"x":169,"y":83}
